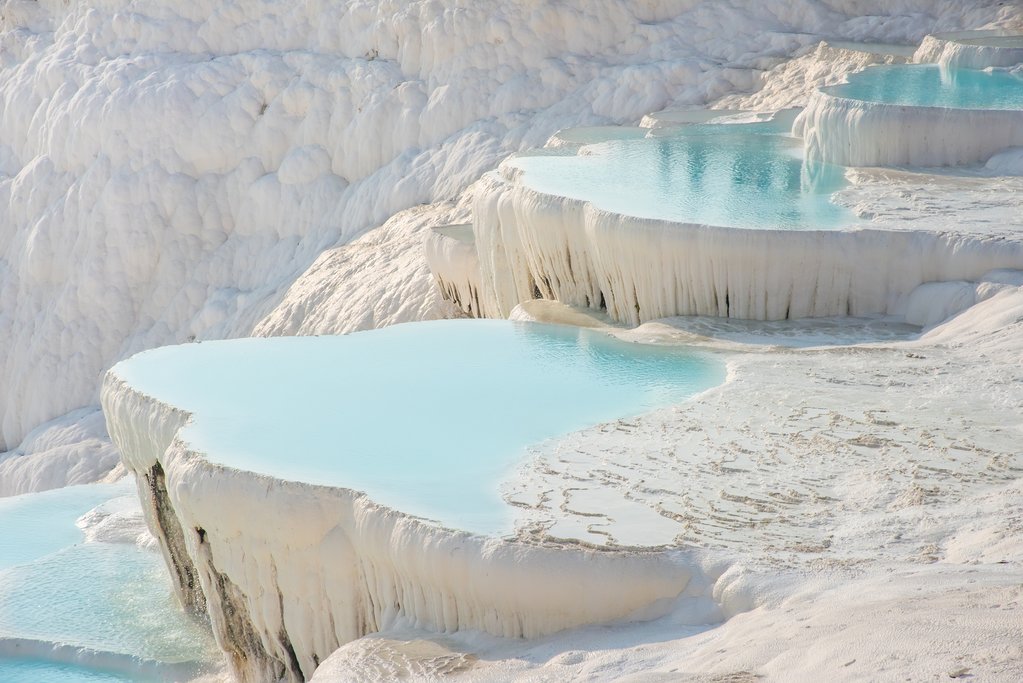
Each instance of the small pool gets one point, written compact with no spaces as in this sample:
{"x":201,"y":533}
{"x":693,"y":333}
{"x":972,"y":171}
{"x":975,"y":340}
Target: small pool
{"x":930,"y":85}
{"x":730,"y":175}
{"x":427,"y":418}
{"x":72,"y":610}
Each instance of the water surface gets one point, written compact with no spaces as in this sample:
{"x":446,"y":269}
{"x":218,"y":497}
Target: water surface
{"x":72,"y":610}
{"x":930,"y":85}
{"x":27,"y":670}
{"x":730,"y":175}
{"x":427,"y":418}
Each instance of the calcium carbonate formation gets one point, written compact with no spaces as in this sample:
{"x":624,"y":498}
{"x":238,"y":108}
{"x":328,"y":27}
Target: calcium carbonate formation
{"x":175,"y":171}
{"x":850,"y":131}
{"x":288,"y":572}
{"x":972,"y":49}
{"x":532,"y":244}
{"x":169,"y":172}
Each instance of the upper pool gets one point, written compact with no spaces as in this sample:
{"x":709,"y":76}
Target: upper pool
{"x":930,"y":85}
{"x":743,"y":175}
{"x":427,"y":418}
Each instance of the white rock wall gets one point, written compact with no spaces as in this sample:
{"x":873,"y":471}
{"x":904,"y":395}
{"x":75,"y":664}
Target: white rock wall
{"x":949,"y":50}
{"x":534,"y":245}
{"x":455,"y":266}
{"x":848,"y":132}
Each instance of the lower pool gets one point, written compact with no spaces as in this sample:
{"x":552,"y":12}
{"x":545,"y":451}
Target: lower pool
{"x":25,"y":670}
{"x":427,"y":418}
{"x":72,"y":610}
{"x":741,"y":175}
{"x":930,"y":85}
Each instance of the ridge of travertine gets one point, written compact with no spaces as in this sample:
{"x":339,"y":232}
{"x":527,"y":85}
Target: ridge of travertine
{"x":288,"y":572}
{"x":972,"y":49}
{"x":534,"y":245}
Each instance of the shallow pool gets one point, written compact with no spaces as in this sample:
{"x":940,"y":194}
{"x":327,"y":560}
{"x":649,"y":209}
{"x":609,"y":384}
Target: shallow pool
{"x":75,"y":610}
{"x":25,"y":670}
{"x":929,"y":85}
{"x":427,"y":418}
{"x":730,"y":175}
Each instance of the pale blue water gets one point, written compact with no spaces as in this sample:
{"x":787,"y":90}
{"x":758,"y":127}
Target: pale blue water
{"x":735,"y":175}
{"x":427,"y":418}
{"x":57,"y":591}
{"x":41,"y":671}
{"x":929,"y":85}
{"x":39,"y":524}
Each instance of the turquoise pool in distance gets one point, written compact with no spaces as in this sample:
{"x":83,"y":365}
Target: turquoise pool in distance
{"x":929,"y":85}
{"x":740,"y":175}
{"x":72,"y":610}
{"x":427,"y":418}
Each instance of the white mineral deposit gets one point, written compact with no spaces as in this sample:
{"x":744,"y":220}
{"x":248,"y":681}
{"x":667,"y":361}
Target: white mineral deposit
{"x":511,"y":340}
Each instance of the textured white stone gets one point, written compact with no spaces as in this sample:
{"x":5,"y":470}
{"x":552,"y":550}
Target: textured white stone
{"x":534,"y":245}
{"x":451,"y":255}
{"x":848,"y":132}
{"x":972,"y":49}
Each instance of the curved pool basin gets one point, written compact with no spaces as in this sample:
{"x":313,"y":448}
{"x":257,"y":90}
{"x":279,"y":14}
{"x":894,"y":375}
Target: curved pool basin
{"x":929,"y":85}
{"x":426,"y":418}
{"x":923,"y":115}
{"x":728,"y":175}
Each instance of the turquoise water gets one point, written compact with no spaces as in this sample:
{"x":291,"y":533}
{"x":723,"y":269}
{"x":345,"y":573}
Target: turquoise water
{"x":928,"y":85}
{"x":730,"y":175}
{"x":427,"y":418}
{"x":35,"y":525}
{"x":58,"y":592}
{"x":23,"y":670}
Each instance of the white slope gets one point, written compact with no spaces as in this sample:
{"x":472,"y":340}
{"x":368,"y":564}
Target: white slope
{"x":170,"y":171}
{"x":792,"y":83}
{"x":926,"y":623}
{"x":73,"y":449}
{"x":376,"y":280}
